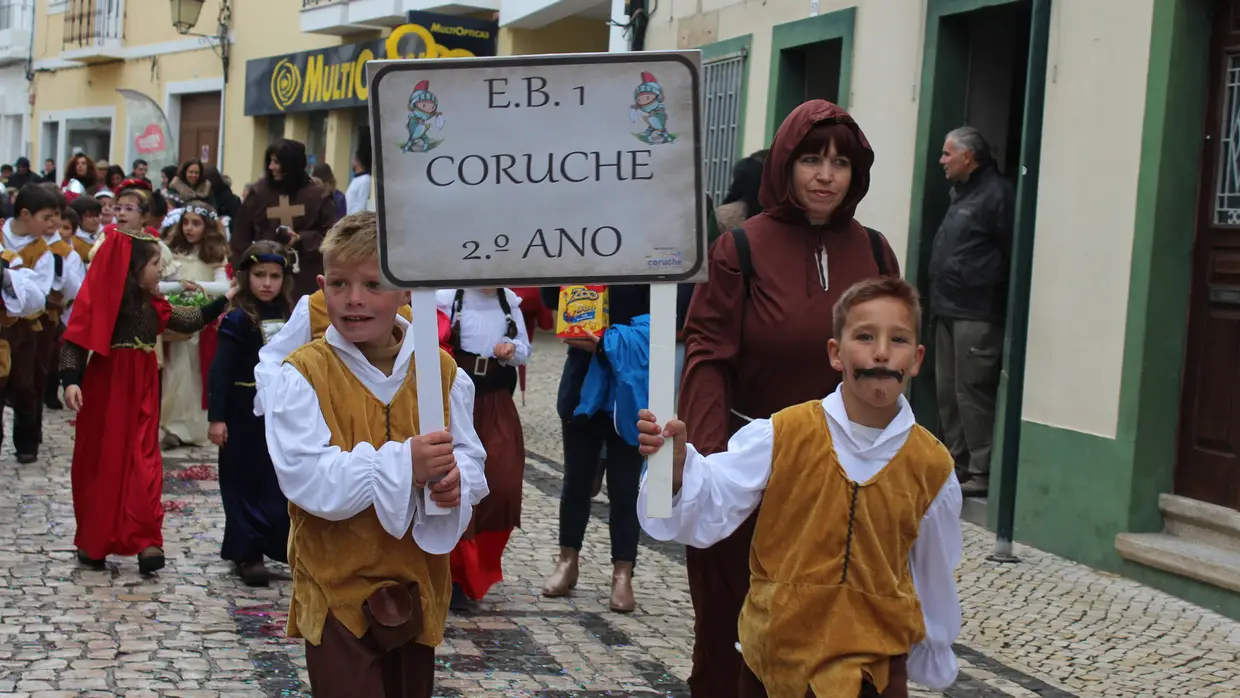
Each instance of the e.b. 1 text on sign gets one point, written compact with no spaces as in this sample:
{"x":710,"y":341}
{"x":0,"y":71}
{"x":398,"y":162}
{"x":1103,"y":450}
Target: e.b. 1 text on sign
{"x":535,"y":170}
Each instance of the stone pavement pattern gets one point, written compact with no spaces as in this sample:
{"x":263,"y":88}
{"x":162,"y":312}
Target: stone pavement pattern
{"x":1043,"y":627}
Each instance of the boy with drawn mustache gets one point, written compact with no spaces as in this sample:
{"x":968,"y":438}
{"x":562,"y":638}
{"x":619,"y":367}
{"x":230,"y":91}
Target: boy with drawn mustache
{"x":853,"y":591}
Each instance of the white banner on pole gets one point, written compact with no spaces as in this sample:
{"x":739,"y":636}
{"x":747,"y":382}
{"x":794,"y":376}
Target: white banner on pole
{"x":544,"y":171}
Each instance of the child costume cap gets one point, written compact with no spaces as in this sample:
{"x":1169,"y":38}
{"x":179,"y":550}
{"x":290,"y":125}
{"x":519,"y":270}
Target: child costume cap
{"x":99,"y":301}
{"x":422,"y":92}
{"x":649,"y":84}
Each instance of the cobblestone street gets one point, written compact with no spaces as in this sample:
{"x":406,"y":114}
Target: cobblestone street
{"x":1043,"y":627}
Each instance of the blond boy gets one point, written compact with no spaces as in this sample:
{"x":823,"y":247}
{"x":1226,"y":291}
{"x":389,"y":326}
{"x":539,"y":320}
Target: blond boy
{"x":370,"y":595}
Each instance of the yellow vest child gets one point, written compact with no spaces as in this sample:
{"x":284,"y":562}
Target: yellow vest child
{"x":858,"y":503}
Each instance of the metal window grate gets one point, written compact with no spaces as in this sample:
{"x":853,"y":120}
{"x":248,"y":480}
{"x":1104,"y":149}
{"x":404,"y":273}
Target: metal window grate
{"x":90,"y":22}
{"x":723,"y":77}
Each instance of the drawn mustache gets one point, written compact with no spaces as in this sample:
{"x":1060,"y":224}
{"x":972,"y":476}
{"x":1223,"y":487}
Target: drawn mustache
{"x":878,"y":372}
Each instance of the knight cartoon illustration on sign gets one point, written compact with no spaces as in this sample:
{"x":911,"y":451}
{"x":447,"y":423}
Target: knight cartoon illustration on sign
{"x":423,"y":112}
{"x":648,"y":106}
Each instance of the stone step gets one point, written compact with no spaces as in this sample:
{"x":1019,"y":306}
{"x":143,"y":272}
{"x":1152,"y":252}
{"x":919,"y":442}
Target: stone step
{"x":1204,"y":562}
{"x":1200,"y":522}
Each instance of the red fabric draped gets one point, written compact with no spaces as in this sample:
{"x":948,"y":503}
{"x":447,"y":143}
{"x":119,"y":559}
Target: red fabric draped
{"x":99,"y":300}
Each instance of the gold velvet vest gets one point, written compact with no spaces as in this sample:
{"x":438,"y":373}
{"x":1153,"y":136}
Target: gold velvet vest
{"x":831,"y":595}
{"x":337,"y":565}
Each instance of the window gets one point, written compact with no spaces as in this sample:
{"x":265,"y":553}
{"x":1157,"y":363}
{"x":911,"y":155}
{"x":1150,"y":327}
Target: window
{"x":724,"y":79}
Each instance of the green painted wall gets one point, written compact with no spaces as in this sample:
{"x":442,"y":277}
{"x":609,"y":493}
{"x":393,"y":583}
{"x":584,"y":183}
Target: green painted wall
{"x":1077,"y":491}
{"x":783,"y":94}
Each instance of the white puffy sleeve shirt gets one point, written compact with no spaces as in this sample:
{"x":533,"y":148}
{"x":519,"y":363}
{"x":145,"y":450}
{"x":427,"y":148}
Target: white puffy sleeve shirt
{"x":335,"y":484}
{"x":483,"y":324}
{"x":719,"y":492}
{"x":20,"y":290}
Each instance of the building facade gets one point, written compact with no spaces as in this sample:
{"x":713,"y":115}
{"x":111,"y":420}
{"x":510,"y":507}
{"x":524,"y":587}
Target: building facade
{"x":1116,"y":118}
{"x":16,"y":31}
{"x":1124,"y":446}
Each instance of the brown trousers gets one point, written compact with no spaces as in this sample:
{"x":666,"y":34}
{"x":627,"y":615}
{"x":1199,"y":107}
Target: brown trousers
{"x":344,"y":666}
{"x":897,"y":683}
{"x":718,"y":585}
{"x":24,"y":390}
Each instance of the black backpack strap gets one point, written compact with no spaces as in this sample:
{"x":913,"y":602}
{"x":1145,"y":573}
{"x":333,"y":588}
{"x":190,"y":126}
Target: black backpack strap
{"x":58,"y":265}
{"x":878,"y":247}
{"x":743,"y":258}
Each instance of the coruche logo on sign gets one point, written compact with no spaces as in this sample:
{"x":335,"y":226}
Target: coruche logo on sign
{"x":335,"y":77}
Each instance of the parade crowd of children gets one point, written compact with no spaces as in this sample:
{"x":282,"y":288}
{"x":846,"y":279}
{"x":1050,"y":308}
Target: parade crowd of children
{"x":161,"y":337}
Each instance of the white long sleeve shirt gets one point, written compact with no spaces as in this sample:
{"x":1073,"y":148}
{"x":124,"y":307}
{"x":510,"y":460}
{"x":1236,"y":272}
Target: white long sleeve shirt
{"x":357,"y":196}
{"x":719,"y":492}
{"x":294,"y":335}
{"x":20,"y":291}
{"x":334,"y":484}
{"x":483,"y":324}
{"x":44,"y":268}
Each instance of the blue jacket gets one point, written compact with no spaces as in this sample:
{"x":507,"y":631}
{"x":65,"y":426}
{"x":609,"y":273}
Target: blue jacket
{"x":618,"y":382}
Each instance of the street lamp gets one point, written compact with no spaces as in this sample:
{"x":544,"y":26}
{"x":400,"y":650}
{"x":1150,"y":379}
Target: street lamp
{"x":185,"y":14}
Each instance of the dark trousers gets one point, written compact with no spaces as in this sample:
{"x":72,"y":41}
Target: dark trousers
{"x":24,"y":390}
{"x":718,"y":585}
{"x":343,"y":666}
{"x":583,"y":443}
{"x":968,"y":356}
{"x":897,"y":683}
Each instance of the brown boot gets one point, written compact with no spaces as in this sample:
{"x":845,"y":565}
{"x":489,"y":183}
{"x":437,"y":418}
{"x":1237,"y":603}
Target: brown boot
{"x":622,"y":600}
{"x":564,"y":578}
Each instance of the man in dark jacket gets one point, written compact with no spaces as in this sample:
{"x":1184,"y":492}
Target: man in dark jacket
{"x":969,"y":267}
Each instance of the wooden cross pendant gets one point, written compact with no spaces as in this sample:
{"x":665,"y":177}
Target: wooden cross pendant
{"x":286,"y":213}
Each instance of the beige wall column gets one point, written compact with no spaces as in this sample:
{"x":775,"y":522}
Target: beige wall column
{"x":339,"y":142}
{"x":297,"y":127}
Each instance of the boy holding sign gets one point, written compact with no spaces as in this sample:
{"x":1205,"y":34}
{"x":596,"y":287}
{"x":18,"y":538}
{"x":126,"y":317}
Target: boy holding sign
{"x":369,"y":596}
{"x":852,"y":563}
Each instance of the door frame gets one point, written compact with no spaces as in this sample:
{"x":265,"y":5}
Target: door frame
{"x":940,"y":109}
{"x":63,"y":116}
{"x":841,"y":25}
{"x":173,"y":92}
{"x":1207,"y":182}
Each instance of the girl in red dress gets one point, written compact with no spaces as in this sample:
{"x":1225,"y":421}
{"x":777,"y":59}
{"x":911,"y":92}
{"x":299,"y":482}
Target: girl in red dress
{"x":117,"y":471}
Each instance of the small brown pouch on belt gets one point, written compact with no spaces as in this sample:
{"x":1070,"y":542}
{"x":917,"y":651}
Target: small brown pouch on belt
{"x":395,"y":615}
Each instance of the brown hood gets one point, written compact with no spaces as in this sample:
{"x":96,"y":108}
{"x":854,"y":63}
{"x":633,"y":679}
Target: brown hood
{"x":776,"y":194}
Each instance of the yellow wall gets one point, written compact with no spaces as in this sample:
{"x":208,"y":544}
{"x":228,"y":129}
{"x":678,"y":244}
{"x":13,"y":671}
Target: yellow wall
{"x":259,"y":29}
{"x":565,"y":36}
{"x":1087,"y":193}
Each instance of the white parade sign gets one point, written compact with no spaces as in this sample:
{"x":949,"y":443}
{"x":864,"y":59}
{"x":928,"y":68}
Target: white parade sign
{"x":539,"y":170}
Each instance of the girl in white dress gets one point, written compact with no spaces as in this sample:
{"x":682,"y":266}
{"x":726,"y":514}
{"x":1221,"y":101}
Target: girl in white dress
{"x":200,"y":254}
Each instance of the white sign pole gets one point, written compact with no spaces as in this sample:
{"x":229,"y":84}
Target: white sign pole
{"x":662,"y":395}
{"x":425,"y":328}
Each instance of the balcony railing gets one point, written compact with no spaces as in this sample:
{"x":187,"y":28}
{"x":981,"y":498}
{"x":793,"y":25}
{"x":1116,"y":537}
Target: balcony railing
{"x":93,"y":22}
{"x":16,"y":14}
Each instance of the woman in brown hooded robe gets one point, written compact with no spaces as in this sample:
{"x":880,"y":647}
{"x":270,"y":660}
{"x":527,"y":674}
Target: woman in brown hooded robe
{"x":755,"y":348}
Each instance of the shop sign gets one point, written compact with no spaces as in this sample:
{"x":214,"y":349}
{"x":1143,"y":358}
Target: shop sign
{"x":335,"y":77}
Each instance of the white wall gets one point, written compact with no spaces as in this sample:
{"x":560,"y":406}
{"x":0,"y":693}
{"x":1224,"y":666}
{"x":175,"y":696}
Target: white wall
{"x":14,"y":113}
{"x":1087,"y":193}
